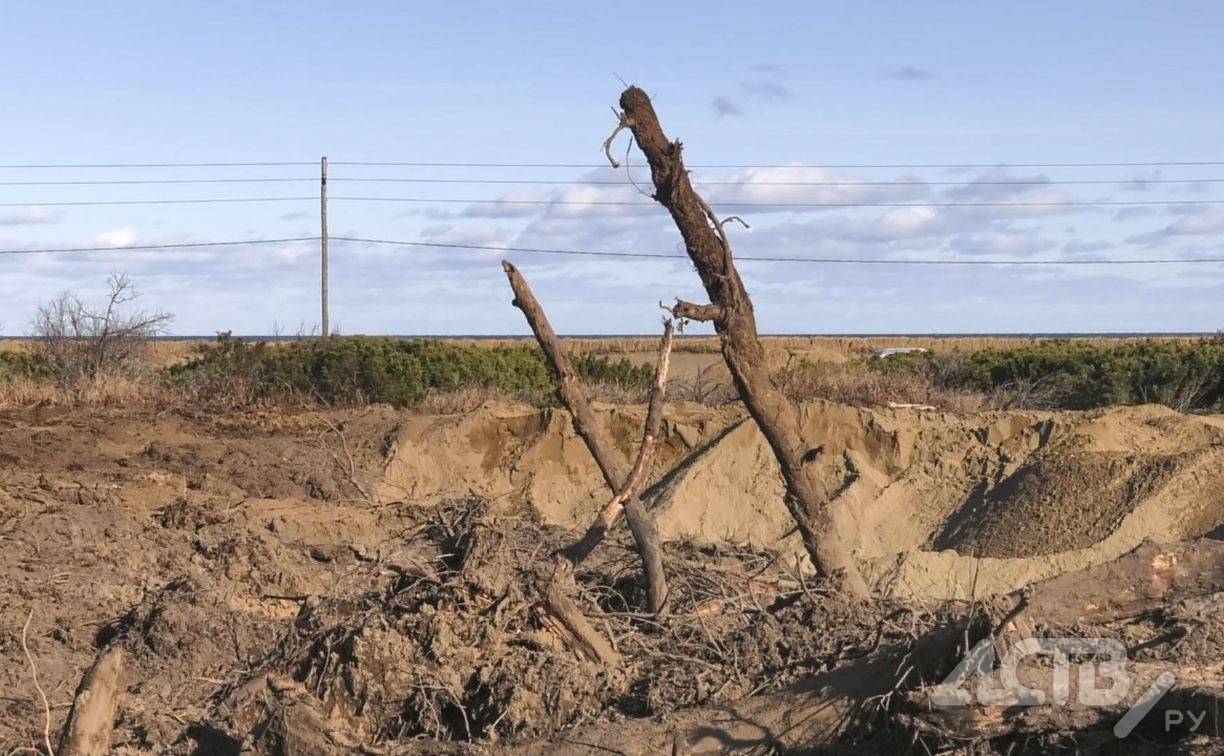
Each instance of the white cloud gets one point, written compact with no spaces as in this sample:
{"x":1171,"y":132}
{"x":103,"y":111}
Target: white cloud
{"x":118,"y":237}
{"x":799,"y":184}
{"x":485,"y":234}
{"x":29,"y":216}
{"x":1004,"y":242}
{"x":1081,"y":247}
{"x":515,"y":204}
{"x":1198,"y":223}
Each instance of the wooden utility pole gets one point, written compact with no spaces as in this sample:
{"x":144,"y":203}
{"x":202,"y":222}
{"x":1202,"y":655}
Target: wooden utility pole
{"x":323,"y":240}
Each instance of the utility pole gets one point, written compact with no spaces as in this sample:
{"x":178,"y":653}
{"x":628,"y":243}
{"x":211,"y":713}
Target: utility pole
{"x":323,"y":240}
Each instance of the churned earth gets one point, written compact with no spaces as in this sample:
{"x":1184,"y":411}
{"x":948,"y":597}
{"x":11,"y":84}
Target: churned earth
{"x":299,"y":581}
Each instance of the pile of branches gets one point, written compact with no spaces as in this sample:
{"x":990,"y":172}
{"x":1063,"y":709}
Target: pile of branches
{"x":455,"y":641}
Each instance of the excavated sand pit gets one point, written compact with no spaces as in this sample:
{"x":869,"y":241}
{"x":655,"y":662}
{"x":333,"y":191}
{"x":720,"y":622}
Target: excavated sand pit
{"x":319,"y":582}
{"x":936,"y":506}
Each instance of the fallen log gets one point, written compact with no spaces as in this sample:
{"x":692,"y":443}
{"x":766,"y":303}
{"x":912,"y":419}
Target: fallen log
{"x":1151,"y":693}
{"x":1148,"y":576}
{"x":87,"y":731}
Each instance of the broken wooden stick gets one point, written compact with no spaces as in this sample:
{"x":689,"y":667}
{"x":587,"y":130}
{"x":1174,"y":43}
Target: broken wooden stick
{"x":632,"y":486}
{"x":559,"y":613}
{"x":574,"y":398}
{"x":88,"y":729}
{"x":731,"y":312}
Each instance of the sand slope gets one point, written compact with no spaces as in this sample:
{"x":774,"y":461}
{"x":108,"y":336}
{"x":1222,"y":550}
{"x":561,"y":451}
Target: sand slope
{"x":920,"y":495}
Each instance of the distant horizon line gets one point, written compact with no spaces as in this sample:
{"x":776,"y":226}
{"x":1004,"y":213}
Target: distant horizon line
{"x":596,"y":337}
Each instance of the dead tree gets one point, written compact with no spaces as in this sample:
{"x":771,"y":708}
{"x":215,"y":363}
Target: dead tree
{"x":79,"y":342}
{"x":624,"y":483}
{"x":731,"y":312}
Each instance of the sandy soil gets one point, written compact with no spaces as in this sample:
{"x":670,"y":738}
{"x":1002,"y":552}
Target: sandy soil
{"x":384,"y":560}
{"x":937,"y":506}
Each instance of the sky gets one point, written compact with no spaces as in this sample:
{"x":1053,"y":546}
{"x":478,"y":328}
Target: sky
{"x":870,"y":104}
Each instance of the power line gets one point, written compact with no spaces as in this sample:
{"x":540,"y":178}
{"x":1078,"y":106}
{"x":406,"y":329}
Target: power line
{"x":639,"y":255}
{"x":151,"y":165}
{"x":116,"y":182}
{"x":434,"y":164}
{"x":615,"y":203}
{"x":775,"y":205}
{"x":816,"y":260}
{"x":146,"y":247}
{"x":1151,"y":164}
{"x":157,"y":202}
{"x":599,"y":182}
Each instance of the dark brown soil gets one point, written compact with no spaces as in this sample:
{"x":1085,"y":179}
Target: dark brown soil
{"x":1057,"y":502}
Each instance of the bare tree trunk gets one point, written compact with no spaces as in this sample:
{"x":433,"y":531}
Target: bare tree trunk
{"x":622,"y":482}
{"x":732,"y":314}
{"x":88,"y":730}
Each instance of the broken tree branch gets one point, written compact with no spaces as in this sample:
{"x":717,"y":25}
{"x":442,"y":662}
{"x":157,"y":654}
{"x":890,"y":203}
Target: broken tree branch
{"x":706,"y":243}
{"x":569,"y":388}
{"x":703,"y":313}
{"x":637,"y":477}
{"x":563,"y":617}
{"x":573,"y":397}
{"x":88,"y":730}
{"x":607,"y":145}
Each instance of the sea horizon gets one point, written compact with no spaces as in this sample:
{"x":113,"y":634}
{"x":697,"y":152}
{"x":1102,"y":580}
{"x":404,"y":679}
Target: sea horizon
{"x":596,"y":337}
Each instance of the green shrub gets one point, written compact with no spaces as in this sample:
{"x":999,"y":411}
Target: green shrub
{"x":20,"y":365}
{"x":358,"y":370}
{"x":1185,"y":375}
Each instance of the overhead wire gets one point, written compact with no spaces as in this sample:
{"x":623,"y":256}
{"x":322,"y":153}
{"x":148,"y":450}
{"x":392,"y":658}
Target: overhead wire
{"x":783,"y":259}
{"x":149,"y":247}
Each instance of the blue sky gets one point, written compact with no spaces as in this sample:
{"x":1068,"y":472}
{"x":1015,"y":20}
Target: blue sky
{"x":804,"y":85}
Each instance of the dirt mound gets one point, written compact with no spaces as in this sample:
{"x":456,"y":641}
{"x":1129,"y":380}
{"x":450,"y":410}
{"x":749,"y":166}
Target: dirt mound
{"x":153,"y":531}
{"x":264,"y":603}
{"x":445,"y":643}
{"x":917,"y":492}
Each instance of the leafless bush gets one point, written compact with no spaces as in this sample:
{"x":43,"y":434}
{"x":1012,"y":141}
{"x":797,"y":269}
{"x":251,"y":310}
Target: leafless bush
{"x":80,"y":344}
{"x":854,"y":384}
{"x":1188,"y":394}
{"x":1027,"y":394}
{"x":709,"y":385}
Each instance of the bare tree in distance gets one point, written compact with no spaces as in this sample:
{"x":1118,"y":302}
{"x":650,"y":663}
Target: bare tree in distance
{"x":78,"y":342}
{"x":731,"y":312}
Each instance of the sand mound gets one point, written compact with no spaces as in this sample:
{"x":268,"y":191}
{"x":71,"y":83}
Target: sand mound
{"x":919,"y":494}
